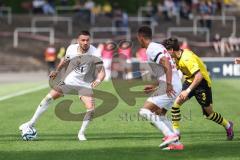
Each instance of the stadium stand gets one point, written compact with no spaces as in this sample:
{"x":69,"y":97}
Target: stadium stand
{"x":35,"y":50}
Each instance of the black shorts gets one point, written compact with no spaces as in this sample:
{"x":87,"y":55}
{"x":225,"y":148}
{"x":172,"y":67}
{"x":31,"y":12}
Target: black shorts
{"x":202,"y":93}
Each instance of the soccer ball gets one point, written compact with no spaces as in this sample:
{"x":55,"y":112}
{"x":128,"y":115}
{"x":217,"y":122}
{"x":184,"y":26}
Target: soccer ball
{"x":29,"y":134}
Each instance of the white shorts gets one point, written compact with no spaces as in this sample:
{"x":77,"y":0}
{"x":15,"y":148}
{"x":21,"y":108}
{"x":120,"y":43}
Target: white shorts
{"x":163,"y":101}
{"x":84,"y":89}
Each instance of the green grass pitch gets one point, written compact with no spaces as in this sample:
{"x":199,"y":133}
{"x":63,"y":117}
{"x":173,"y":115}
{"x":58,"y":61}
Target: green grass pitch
{"x":113,"y":136}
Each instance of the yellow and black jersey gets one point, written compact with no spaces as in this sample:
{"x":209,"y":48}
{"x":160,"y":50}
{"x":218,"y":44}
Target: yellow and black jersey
{"x":189,"y":64}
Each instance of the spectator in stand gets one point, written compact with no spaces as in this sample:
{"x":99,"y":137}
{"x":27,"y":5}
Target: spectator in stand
{"x":117,"y":15}
{"x":107,"y":9}
{"x":228,"y":3}
{"x":185,"y":10}
{"x":124,"y":19}
{"x":89,"y":8}
{"x":169,"y":9}
{"x":27,"y":6}
{"x":97,"y":9}
{"x":108,"y":50}
{"x":125,"y":57}
{"x":78,"y":5}
{"x":233,"y":43}
{"x":50,"y":57}
{"x":89,"y":5}
{"x":48,"y":7}
{"x":177,"y":4}
{"x":221,"y":45}
{"x":205,"y":10}
{"x":43,"y":6}
{"x":217,"y":43}
{"x":51,"y":3}
{"x":160,"y":9}
{"x":64,"y":2}
{"x":194,"y":7}
{"x":38,"y":6}
{"x":121,"y":18}
{"x":83,"y":10}
{"x":153,"y":10}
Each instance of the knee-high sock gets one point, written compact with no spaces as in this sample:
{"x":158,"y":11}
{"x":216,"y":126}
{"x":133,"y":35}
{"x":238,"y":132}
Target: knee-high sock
{"x":43,"y":106}
{"x":167,"y":122}
{"x":157,"y":121}
{"x":86,"y":120}
{"x":216,"y":117}
{"x":176,"y":116}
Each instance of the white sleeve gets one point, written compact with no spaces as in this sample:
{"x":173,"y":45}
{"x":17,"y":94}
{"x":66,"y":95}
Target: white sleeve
{"x":156,"y":54}
{"x":95,"y":52}
{"x":68,"y":53}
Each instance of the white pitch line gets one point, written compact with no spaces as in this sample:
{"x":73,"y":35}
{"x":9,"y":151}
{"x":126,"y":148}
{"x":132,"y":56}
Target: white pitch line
{"x":24,"y":92}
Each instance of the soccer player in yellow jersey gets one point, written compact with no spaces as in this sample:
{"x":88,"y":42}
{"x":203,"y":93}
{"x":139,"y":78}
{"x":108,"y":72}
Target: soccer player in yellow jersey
{"x":197,"y":83}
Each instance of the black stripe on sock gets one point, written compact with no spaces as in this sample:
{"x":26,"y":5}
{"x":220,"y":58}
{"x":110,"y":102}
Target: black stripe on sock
{"x":219,"y":118}
{"x":175,"y":111}
{"x":216,"y":117}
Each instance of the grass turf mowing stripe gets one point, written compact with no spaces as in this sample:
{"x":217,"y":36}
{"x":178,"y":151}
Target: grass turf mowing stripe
{"x":23,"y":92}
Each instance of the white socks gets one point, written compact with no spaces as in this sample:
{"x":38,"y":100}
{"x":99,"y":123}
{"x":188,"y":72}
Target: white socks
{"x":43,"y":106}
{"x":167,"y":122}
{"x":161,"y":122}
{"x":87,"y":118}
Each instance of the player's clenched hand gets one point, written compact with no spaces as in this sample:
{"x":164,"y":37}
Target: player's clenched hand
{"x":95,"y":83}
{"x":170,"y":92}
{"x":53,"y":74}
{"x":184,"y":95}
{"x":149,"y":88}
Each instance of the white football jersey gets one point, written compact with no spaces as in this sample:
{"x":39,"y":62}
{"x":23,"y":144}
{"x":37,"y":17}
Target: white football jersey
{"x":155,"y":52}
{"x":81,"y":70}
{"x":72,"y":51}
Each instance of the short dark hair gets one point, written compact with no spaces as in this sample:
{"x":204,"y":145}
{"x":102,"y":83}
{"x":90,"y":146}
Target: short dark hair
{"x":171,"y":43}
{"x":145,"y":31}
{"x":84,"y":32}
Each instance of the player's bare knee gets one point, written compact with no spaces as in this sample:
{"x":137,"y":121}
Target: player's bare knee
{"x":150,"y":106}
{"x":161,"y":112}
{"x":208,"y":110}
{"x":55,"y":94}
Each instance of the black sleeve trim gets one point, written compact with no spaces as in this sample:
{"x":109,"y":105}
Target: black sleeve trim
{"x":155,"y":59}
{"x":97,"y":63}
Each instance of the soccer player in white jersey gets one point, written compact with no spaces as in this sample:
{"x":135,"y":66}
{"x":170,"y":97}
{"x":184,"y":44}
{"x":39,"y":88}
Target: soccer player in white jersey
{"x":81,"y":76}
{"x":156,"y":106}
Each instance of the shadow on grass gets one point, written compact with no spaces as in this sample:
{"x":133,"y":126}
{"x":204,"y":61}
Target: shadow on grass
{"x":90,"y":136}
{"x":206,"y":151}
{"x":186,"y":136}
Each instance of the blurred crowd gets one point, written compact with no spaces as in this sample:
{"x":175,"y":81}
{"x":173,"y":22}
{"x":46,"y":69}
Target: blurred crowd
{"x":49,"y":6}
